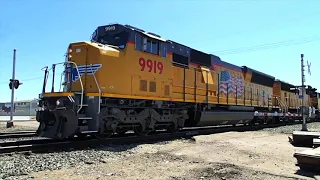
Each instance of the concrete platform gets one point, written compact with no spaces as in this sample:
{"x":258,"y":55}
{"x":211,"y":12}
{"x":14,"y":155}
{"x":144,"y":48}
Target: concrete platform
{"x":316,"y":142}
{"x":304,"y":138}
{"x":309,"y":159}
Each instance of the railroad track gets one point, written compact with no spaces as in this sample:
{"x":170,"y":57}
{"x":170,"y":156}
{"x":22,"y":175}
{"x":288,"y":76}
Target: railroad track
{"x":51,"y":145}
{"x":17,"y":134}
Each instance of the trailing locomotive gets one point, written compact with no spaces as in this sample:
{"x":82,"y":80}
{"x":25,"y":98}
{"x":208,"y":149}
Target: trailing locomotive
{"x":127,"y":79}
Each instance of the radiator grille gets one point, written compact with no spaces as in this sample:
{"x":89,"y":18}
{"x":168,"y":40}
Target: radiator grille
{"x":143,"y":85}
{"x":166,"y":90}
{"x":152,"y":86}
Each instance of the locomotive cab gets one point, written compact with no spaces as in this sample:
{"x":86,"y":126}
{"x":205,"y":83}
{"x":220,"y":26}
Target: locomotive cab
{"x":88,"y":69}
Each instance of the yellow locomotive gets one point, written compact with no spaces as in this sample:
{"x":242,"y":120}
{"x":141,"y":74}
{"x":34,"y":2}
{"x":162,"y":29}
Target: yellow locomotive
{"x":128,"y":79}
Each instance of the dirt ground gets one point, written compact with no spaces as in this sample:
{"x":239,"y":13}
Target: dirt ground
{"x":231,"y":155}
{"x":19,"y":126}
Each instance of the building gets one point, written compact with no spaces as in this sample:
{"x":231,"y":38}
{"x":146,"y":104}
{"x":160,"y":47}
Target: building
{"x":21,"y":108}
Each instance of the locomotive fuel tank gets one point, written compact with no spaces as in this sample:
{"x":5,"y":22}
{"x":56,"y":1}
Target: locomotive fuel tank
{"x":221,"y":116}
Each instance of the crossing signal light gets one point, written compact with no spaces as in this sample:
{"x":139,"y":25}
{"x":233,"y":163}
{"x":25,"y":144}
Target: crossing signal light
{"x":14,"y":84}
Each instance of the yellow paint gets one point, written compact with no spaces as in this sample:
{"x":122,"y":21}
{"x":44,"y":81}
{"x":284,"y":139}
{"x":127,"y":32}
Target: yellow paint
{"x":57,"y":94}
{"x":121,"y":76}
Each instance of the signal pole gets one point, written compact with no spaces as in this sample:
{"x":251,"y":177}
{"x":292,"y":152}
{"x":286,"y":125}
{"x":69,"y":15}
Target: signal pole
{"x":10,"y":122}
{"x":303,"y":89}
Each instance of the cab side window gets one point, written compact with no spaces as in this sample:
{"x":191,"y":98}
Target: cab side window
{"x":149,"y":45}
{"x":163,"y":49}
{"x":138,"y":42}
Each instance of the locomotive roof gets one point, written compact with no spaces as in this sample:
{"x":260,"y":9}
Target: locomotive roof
{"x":247,"y":69}
{"x":178,"y":48}
{"x":218,"y":61}
{"x":283,"y":82}
{"x":120,"y":27}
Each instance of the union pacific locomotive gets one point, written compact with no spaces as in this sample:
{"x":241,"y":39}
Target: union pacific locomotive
{"x":128,"y":79}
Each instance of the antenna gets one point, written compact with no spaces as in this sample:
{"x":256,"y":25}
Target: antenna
{"x":309,"y":67}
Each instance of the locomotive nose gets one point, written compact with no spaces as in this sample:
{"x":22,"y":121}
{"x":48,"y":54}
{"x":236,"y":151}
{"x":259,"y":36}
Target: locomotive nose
{"x":59,"y":123}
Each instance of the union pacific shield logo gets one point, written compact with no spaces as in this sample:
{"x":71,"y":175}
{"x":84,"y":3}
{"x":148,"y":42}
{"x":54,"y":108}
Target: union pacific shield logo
{"x":90,"y":69}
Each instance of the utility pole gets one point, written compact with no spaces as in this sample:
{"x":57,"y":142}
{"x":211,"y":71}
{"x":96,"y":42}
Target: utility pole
{"x":10,"y":122}
{"x":303,"y":89}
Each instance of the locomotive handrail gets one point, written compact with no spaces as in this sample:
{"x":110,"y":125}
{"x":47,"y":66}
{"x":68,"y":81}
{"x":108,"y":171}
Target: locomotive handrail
{"x":82,"y":90}
{"x":61,"y":81}
{"x":45,"y":79}
{"x":95,"y":79}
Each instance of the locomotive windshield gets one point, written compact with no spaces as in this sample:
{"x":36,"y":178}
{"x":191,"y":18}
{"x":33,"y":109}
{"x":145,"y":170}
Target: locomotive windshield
{"x":111,"y":35}
{"x":119,"y":39}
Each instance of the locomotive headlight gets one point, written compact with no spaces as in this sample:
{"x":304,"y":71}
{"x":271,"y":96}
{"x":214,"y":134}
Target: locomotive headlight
{"x":40,"y":103}
{"x":58,"y":102}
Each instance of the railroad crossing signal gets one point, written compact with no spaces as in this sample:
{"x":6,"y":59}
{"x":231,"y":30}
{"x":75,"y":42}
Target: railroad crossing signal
{"x":14,"y":84}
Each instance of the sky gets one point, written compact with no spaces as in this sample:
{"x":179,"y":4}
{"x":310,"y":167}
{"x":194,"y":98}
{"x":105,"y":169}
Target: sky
{"x":266,"y":35}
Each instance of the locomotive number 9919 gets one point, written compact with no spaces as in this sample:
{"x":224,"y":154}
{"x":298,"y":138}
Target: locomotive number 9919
{"x":151,"y":66}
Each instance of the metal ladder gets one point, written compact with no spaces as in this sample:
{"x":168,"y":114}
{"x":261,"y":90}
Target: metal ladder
{"x":83,"y":116}
{"x":283,"y":106}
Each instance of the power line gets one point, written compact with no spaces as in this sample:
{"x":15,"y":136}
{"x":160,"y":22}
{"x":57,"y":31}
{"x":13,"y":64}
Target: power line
{"x":268,"y":46}
{"x":31,"y":79}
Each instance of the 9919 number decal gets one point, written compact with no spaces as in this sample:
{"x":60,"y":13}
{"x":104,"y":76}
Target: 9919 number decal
{"x":156,"y":67}
{"x":110,"y":28}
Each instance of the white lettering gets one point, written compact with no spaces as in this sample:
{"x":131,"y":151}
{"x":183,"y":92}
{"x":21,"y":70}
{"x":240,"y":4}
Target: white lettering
{"x":110,"y":28}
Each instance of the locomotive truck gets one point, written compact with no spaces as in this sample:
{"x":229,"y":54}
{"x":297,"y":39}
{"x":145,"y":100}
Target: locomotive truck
{"x":127,"y":79}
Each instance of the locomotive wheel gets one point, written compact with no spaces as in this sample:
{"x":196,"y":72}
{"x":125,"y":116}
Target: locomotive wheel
{"x":138,"y":130}
{"x":81,"y":135}
{"x":104,"y":135}
{"x":121,"y":131}
{"x":172,"y":128}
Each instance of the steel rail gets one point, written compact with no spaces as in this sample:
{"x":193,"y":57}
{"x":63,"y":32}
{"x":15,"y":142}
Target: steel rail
{"x":49,"y":145}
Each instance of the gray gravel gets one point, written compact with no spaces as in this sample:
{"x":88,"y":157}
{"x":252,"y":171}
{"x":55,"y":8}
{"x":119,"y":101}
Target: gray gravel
{"x":17,"y":165}
{"x":315,"y":126}
{"x":20,"y":165}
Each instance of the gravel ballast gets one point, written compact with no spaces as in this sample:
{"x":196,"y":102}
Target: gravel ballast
{"x":16,"y":165}
{"x":315,"y":126}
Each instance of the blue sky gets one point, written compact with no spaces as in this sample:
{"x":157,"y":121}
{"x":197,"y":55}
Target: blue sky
{"x":238,"y":31}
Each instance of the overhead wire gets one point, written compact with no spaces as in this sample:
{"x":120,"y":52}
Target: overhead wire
{"x":268,"y":45}
{"x":24,"y":80}
{"x":264,"y":27}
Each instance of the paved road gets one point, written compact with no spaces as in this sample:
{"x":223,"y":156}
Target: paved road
{"x":18,"y":118}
